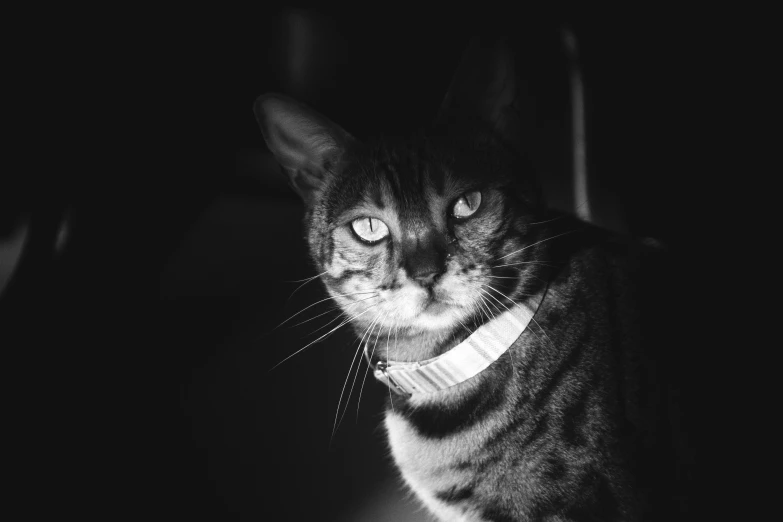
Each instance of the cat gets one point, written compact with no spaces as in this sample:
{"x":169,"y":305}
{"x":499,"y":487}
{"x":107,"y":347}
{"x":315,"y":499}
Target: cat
{"x":513,"y":340}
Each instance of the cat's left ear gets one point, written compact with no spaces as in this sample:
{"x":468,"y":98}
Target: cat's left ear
{"x":306,"y":144}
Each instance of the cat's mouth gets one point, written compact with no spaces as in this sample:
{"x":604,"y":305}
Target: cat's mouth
{"x":435,"y":306}
{"x":436,"y":314}
{"x":440,"y":306}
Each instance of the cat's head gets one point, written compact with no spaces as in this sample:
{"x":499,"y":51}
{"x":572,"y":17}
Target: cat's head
{"x":425,"y":235}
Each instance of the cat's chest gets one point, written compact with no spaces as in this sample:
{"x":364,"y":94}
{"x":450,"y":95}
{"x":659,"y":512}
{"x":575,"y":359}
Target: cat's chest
{"x":427,"y":458}
{"x":440,"y":470}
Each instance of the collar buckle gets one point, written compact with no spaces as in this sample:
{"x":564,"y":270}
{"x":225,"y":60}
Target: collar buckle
{"x":382,"y":374}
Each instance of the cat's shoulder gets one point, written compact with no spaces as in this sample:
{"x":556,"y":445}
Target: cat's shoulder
{"x":590,"y":256}
{"x":574,"y":237}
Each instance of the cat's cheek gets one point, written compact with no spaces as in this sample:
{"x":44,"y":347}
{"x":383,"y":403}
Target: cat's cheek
{"x":476,"y":240}
{"x":459,"y":275}
{"x":458,"y":286}
{"x":405,"y":302}
{"x":354,"y":305}
{"x":346,"y":258}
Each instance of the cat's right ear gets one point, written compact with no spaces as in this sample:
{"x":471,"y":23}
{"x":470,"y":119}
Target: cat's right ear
{"x":306,"y":144}
{"x":484,"y":88}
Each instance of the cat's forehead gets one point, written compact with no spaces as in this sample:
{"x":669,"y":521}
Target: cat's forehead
{"x":407,"y":178}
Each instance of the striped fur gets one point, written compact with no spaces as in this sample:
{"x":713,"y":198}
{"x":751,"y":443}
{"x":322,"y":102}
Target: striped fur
{"x":560,"y":427}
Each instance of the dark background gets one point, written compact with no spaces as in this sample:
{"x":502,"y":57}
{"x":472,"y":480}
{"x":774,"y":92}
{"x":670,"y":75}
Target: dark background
{"x":138,"y":355}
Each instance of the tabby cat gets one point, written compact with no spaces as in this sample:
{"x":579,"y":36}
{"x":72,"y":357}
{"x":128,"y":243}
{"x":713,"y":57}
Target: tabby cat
{"x":510,"y":338}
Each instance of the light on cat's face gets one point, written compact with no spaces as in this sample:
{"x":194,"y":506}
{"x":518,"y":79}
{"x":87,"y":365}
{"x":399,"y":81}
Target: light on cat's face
{"x":371,"y":271}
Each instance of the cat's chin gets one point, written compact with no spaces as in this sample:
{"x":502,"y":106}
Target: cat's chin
{"x":437,"y":315}
{"x":437,"y":307}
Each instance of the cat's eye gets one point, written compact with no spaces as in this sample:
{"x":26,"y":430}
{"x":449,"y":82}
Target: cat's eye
{"x":467,"y":204}
{"x":370,"y":229}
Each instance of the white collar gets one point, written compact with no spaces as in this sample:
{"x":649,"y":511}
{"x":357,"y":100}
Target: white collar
{"x":469,"y":358}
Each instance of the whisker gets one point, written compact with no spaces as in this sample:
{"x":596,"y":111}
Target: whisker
{"x":343,"y":314}
{"x":498,"y":300}
{"x":546,"y":220}
{"x":465,"y":327}
{"x":579,"y":206}
{"x":542,"y":331}
{"x":317,"y":302}
{"x":485,"y":308}
{"x":396,"y":325}
{"x":495,"y":298}
{"x":337,"y":307}
{"x":493,"y":304}
{"x":356,"y":375}
{"x":359,"y":402}
{"x":306,"y":280}
{"x":482,"y":314}
{"x":347,"y":377}
{"x":490,"y":315}
{"x":332,"y":309}
{"x":534,"y":244}
{"x":501,"y":311}
{"x":483,"y":304}
{"x":388,"y":335}
{"x":320,"y":338}
{"x":510,"y":352}
{"x":359,"y":353}
{"x":487,"y":303}
{"x":519,"y":263}
{"x":353,"y":384}
{"x":517,"y":304}
{"x":524,"y":263}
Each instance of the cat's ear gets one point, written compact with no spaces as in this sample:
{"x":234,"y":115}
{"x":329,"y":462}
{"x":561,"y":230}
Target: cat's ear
{"x":484,"y":88}
{"x":306,"y":144}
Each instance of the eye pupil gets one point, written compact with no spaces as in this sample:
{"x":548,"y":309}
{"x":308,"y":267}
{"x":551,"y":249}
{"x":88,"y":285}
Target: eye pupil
{"x":467,"y":204}
{"x":369,"y":229}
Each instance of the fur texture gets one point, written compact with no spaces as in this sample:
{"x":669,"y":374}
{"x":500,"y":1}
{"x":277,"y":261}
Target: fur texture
{"x":561,"y":427}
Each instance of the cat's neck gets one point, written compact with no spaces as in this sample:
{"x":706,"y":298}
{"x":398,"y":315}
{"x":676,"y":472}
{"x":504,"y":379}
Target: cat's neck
{"x":408,"y":345}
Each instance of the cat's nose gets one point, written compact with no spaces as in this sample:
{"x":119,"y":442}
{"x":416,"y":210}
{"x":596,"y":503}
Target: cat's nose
{"x":424,"y":255}
{"x":425,"y":266}
{"x":427,"y":279}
